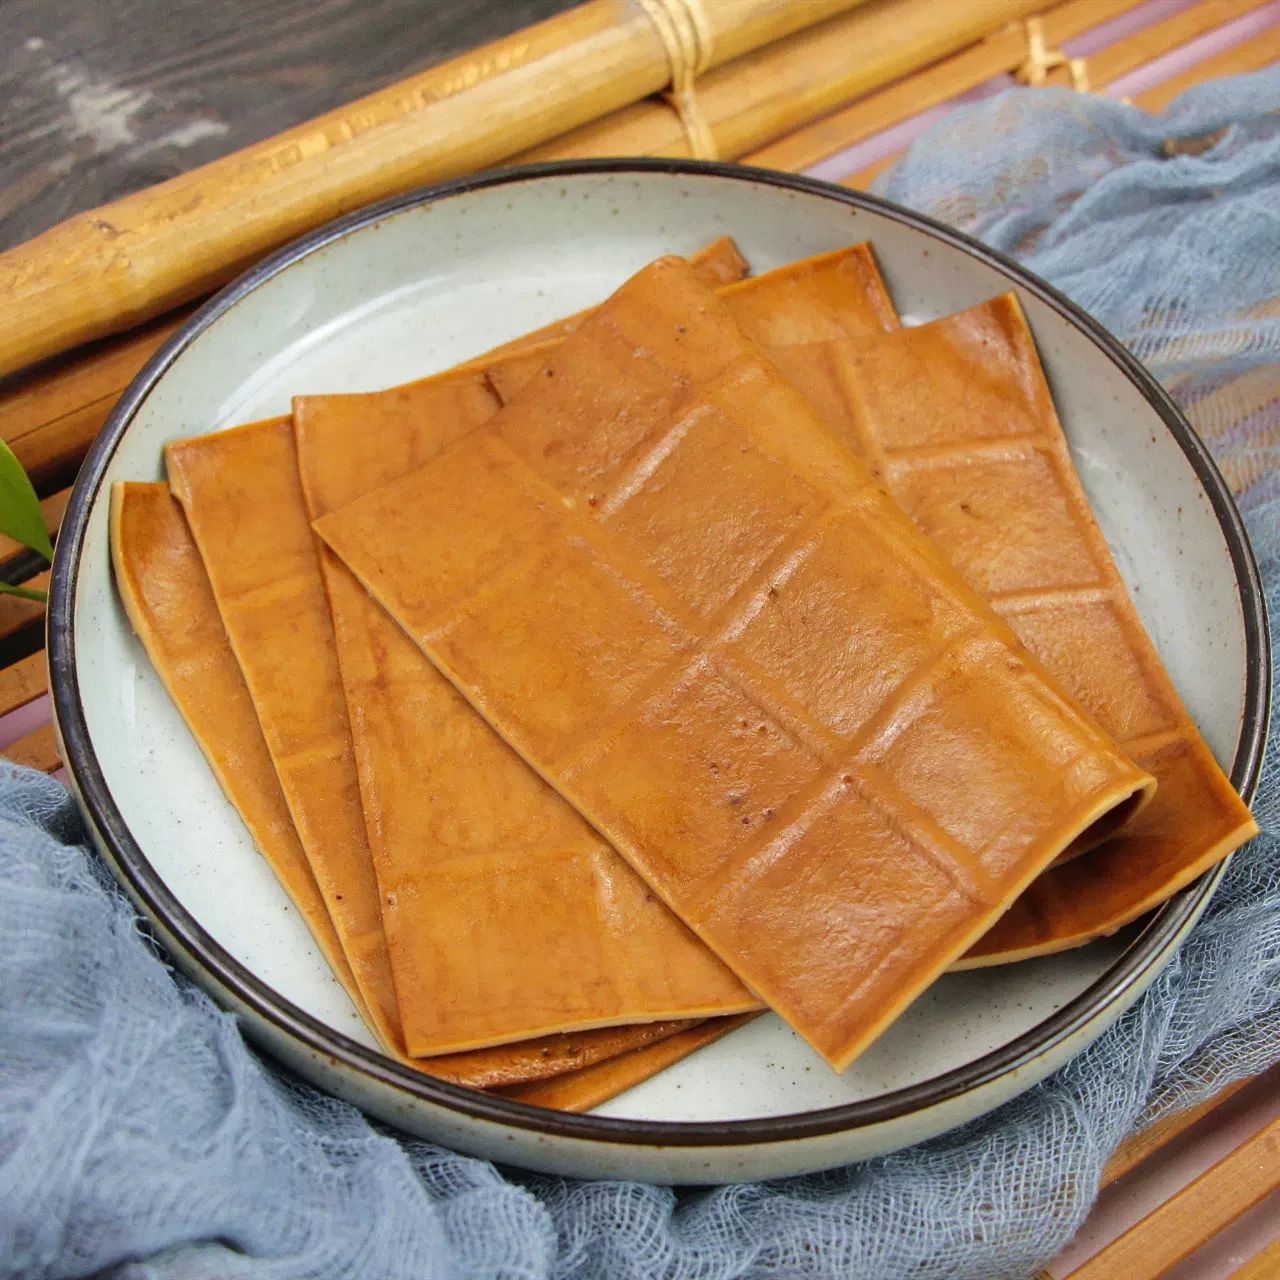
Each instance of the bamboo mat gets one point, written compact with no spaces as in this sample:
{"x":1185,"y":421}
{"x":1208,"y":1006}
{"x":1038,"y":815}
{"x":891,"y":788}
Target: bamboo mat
{"x":804,"y":104}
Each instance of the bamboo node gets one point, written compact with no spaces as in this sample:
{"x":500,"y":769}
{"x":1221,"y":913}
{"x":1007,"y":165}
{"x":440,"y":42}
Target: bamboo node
{"x":685,"y":32}
{"x":1040,"y":60}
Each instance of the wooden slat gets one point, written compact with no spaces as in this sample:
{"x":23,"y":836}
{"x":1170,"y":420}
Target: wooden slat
{"x":1250,"y":55}
{"x":999,"y":53}
{"x":23,"y":682}
{"x":1194,"y":1216}
{"x":52,"y":507}
{"x":50,"y":415}
{"x":38,"y":750}
{"x":863,"y":179}
{"x":1262,"y":1266}
{"x":1146,"y":1142}
{"x":1119,"y":59}
{"x":61,"y":387}
{"x":1254,"y":54}
{"x":18,"y":615}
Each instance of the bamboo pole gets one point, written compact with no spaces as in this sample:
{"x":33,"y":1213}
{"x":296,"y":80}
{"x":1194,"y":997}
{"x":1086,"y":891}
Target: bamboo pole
{"x":102,"y":271}
{"x":765,"y":94}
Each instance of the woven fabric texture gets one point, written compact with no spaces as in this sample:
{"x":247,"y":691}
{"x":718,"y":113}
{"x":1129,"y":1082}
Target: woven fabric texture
{"x":140,"y":1138}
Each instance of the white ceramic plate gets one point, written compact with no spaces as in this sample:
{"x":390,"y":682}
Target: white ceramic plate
{"x":419,"y":283}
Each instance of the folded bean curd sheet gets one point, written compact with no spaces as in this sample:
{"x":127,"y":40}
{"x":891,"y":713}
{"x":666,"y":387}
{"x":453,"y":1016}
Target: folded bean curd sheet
{"x":956,"y":419}
{"x":662,"y":579}
{"x":169,"y":602}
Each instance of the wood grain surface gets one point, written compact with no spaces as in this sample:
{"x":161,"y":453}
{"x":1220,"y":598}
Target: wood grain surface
{"x":102,"y":99}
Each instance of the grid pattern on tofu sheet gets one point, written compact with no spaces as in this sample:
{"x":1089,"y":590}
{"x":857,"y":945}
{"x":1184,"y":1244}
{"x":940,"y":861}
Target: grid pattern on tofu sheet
{"x":612,"y":562}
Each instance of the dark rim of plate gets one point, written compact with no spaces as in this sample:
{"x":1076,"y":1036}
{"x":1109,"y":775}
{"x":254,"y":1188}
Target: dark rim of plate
{"x":373,"y":1068}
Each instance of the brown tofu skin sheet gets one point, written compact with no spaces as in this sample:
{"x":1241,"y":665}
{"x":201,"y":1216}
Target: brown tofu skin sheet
{"x":506,"y":916}
{"x":838,"y":293}
{"x":835,"y":295}
{"x":582,"y":1090}
{"x":169,"y":604}
{"x":665,"y":583}
{"x":240,"y":492}
{"x":957,"y":420}
{"x":167,"y":598}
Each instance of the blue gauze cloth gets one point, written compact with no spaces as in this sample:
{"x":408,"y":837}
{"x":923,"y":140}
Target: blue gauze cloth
{"x":139,"y":1137}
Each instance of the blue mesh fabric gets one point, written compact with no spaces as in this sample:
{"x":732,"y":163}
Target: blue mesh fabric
{"x":140,"y":1138}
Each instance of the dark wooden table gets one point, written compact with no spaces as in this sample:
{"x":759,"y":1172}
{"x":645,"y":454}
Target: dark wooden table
{"x":101,"y":97}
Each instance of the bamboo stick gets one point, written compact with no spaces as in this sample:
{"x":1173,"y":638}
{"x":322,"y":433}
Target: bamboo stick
{"x":23,"y":682}
{"x":102,"y":271}
{"x":38,"y":750}
{"x":1000,"y":52}
{"x":49,"y":416}
{"x":1194,"y":1216}
{"x":766,"y":93}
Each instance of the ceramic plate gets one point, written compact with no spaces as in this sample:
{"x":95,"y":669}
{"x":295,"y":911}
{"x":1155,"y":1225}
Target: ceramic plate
{"x":421,"y":282}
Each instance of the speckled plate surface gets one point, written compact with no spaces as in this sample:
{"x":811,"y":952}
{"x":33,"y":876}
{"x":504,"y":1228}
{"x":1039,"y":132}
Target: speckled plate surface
{"x":415,"y":285}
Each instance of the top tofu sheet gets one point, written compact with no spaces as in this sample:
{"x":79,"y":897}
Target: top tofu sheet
{"x":659,"y":576}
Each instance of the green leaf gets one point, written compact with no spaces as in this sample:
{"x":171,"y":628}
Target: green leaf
{"x":27,"y":593}
{"x":20,"y":514}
